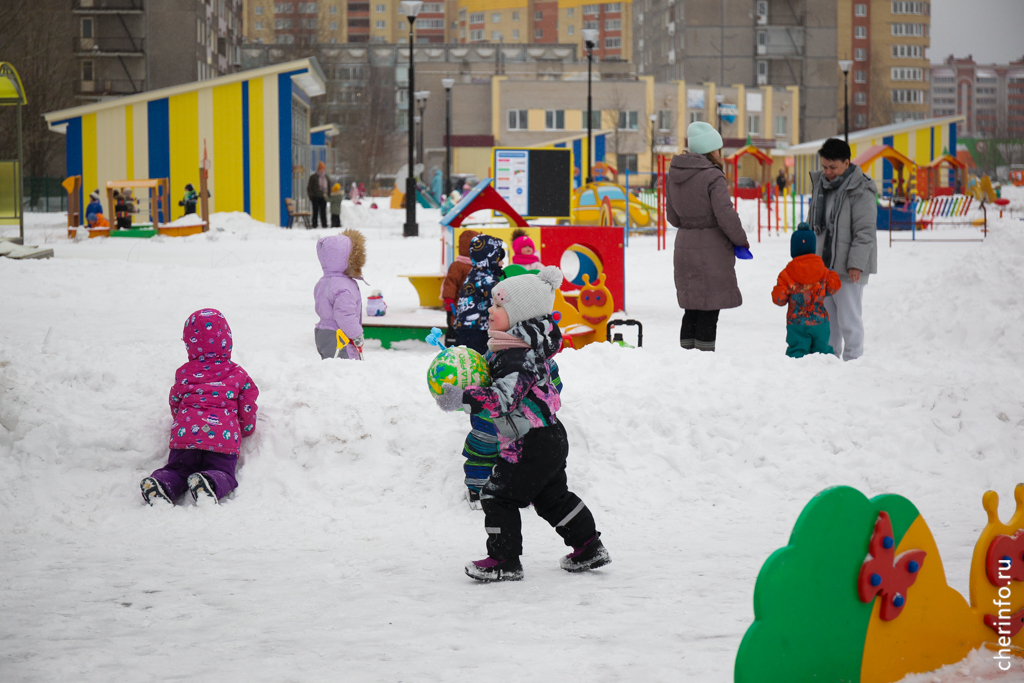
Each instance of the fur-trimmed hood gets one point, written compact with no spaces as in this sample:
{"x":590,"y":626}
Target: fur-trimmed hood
{"x":343,"y":254}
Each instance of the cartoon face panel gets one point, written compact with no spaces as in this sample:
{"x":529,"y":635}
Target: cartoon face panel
{"x":595,"y":302}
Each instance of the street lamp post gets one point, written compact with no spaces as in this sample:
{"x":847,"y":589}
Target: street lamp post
{"x":654,"y":177}
{"x":718,"y":110}
{"x":845,"y":65}
{"x":447,"y":83}
{"x":590,"y":40}
{"x":421,"y":105}
{"x":410,"y":8}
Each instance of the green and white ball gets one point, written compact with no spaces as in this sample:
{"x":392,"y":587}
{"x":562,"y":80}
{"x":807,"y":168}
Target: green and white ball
{"x":460,"y":366}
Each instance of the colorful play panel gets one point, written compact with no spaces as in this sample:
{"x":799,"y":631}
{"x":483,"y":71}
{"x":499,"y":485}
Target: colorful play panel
{"x":860,"y":595}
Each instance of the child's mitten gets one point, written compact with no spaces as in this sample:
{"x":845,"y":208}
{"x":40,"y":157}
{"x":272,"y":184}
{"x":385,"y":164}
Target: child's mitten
{"x":451,"y":399}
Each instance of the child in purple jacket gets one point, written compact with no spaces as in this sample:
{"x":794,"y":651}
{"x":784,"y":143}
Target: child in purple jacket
{"x":336,"y":295}
{"x":213,"y":402}
{"x":522,"y":400}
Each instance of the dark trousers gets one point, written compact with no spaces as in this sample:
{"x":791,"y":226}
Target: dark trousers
{"x":219,"y":468}
{"x":538,"y":478}
{"x":319,"y":211}
{"x":699,"y":330}
{"x":472,"y":338}
{"x":335,"y":220}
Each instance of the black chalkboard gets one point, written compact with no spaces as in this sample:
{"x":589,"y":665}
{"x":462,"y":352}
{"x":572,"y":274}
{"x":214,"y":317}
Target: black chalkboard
{"x":550,"y":184}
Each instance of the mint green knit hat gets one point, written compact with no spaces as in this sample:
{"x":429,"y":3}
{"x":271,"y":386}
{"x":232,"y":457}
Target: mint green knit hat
{"x":702,"y":138}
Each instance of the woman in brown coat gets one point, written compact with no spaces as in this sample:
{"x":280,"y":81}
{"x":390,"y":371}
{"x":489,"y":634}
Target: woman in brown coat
{"x":699,"y":205}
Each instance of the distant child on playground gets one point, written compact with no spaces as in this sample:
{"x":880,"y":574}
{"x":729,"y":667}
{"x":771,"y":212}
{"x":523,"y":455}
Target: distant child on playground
{"x":522,"y":341}
{"x":190,"y":199}
{"x":94,"y":212}
{"x":524,"y":252}
{"x":457,"y":272}
{"x":486,"y":253}
{"x":336,"y":296}
{"x":213,"y":402}
{"x":335,"y":202}
{"x":804,"y":284}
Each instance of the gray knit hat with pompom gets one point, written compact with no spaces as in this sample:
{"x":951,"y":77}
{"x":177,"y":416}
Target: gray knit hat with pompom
{"x":528,"y":296}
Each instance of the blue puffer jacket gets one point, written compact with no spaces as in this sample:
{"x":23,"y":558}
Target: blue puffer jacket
{"x":486,"y":253}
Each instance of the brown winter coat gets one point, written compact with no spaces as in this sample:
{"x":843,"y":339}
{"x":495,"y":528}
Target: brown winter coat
{"x":457,"y":271}
{"x":699,"y":205}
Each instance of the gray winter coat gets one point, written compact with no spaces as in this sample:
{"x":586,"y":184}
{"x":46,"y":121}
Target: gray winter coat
{"x":854,"y":220}
{"x":699,"y":205}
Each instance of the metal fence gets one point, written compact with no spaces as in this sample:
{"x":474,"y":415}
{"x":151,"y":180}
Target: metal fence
{"x":45,"y":194}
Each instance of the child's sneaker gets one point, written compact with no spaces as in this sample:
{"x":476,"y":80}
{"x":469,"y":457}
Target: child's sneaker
{"x":201,"y":488}
{"x":590,"y":555}
{"x":490,"y":569}
{"x":473,"y":498}
{"x":154,"y":490}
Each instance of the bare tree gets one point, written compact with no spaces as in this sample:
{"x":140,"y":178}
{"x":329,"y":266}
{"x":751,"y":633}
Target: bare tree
{"x":36,"y":40}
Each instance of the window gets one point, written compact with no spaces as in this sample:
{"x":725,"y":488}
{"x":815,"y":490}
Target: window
{"x":860,"y":32}
{"x":515,"y":34}
{"x":570,"y":12}
{"x":592,"y":24}
{"x":538,"y":15}
{"x":476,"y":34}
{"x":908,"y":96}
{"x":87,"y":27}
{"x":309,"y":23}
{"x":571,"y":30}
{"x":627,"y":162}
{"x":861,"y":120}
{"x":282,"y":23}
{"x":284,"y":39}
{"x":515,"y":16}
{"x":781,"y":127}
{"x":762,"y":8}
{"x":284,"y":7}
{"x":591,"y":9}
{"x":476,"y":18}
{"x":613,"y":24}
{"x":762,"y":39}
{"x":258,"y":25}
{"x":554,"y":119}
{"x":860,"y":10}
{"x":696,"y":116}
{"x":613,"y":7}
{"x":612,"y":43}
{"x":383,"y":23}
{"x":88,"y":70}
{"x":860,"y":98}
{"x":381,"y":9}
{"x":860,"y":54}
{"x":517,"y":119}
{"x":307,"y":8}
{"x":911,"y":8}
{"x":908,"y":30}
{"x":495,"y":36}
{"x":430,"y":23}
{"x":860,"y":76}
{"x":334,"y":9}
{"x":538,"y":34}
{"x":258,"y":10}
{"x":627,"y":120}
{"x":462,"y":14}
{"x":664,"y":119}
{"x":496,"y":18}
{"x":911,"y":51}
{"x":754,"y":124}
{"x":906,"y":74}
{"x":595,"y":118}
{"x":432,"y":8}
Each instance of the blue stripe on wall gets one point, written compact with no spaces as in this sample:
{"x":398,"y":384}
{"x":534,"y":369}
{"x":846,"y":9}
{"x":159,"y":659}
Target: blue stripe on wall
{"x":931,"y":152}
{"x":245,"y":147}
{"x":577,"y":161}
{"x":73,"y":152}
{"x":952,"y":150}
{"x":319,"y":138}
{"x":284,"y":139}
{"x":159,"y":139}
{"x":599,"y":141}
{"x":886,"y":166}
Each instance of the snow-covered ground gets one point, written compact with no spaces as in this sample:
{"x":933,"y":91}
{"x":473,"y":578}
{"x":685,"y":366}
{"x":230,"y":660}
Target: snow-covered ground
{"x":340,"y":555}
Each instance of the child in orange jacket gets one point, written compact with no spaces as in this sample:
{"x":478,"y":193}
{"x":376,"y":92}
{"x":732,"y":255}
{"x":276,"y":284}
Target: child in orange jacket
{"x":804,"y":284}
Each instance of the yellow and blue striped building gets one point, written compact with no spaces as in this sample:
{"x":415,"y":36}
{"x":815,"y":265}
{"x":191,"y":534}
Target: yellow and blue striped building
{"x":246,"y":124}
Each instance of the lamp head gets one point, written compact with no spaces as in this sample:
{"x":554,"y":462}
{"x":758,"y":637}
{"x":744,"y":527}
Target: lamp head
{"x":422,"y":95}
{"x":410,"y":8}
{"x":447,"y":83}
{"x":845,"y":65}
{"x":719,"y":98}
{"x":653,"y":117}
{"x":590,"y":37}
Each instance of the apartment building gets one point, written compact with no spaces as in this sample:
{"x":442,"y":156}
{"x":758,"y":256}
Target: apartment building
{"x":753,"y":43}
{"x":548,"y":21}
{"x":989,"y":96}
{"x":130,"y":46}
{"x":343,"y":21}
{"x":888,"y":42}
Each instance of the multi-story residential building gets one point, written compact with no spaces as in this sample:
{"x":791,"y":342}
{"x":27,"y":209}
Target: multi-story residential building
{"x":128,"y":46}
{"x":989,"y":96}
{"x":752,"y":43}
{"x":343,"y":21}
{"x":887,"y":40}
{"x":548,"y":21}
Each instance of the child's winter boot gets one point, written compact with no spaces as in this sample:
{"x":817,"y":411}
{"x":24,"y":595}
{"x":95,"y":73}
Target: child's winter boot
{"x":473,"y":498}
{"x":201,"y":488}
{"x":590,"y":555}
{"x":154,"y":490}
{"x":490,"y":569}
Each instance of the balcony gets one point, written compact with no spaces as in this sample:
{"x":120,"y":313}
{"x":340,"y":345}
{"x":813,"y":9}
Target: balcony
{"x":780,"y":41}
{"x":106,"y":88}
{"x":109,"y":47}
{"x":108,"y":6}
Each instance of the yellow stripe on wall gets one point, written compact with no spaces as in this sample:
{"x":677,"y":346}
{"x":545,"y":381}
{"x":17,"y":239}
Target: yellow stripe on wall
{"x":256,"y":180}
{"x":922,"y":153}
{"x":227,"y":147}
{"x":183,"y":111}
{"x":901,"y":143}
{"x":89,"y":175}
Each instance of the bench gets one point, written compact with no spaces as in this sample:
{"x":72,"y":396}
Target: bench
{"x":293,"y":214}
{"x":428,"y":287}
{"x":396,"y":327}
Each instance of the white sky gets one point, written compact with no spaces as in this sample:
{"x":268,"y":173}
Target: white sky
{"x":991,"y":30}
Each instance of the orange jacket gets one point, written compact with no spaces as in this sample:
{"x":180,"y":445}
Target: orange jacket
{"x":804,"y":284}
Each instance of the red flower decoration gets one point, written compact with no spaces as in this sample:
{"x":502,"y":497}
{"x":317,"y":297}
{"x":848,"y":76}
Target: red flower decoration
{"x":885,"y":573}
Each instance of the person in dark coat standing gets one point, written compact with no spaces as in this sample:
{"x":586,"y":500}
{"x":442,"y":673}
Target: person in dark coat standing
{"x":709,"y":227}
{"x":319,"y":191}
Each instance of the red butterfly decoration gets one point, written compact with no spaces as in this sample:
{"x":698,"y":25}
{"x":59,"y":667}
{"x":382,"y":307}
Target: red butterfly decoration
{"x":883,"y":572}
{"x":1005,"y":559}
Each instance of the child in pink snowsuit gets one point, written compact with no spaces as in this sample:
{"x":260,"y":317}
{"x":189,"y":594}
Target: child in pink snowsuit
{"x":213,"y":402}
{"x":524,"y":251}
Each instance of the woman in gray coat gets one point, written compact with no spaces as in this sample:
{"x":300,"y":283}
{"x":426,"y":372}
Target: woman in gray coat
{"x":698,"y":204}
